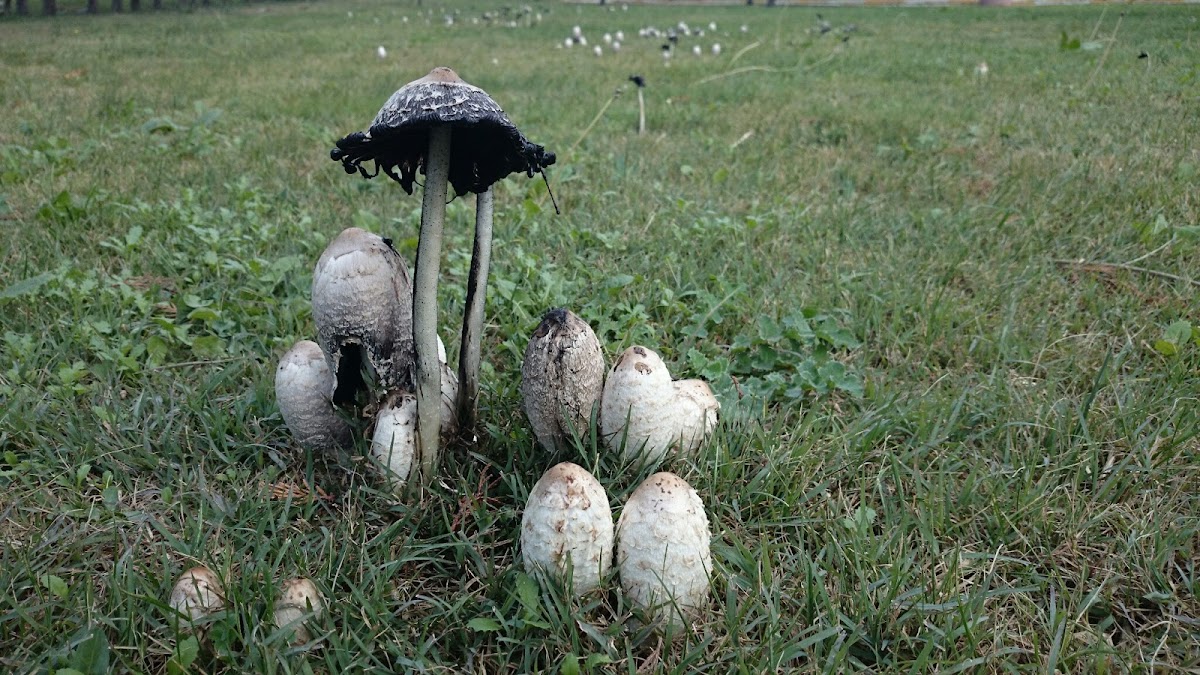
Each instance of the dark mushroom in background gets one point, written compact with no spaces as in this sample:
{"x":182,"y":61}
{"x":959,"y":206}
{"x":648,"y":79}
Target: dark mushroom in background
{"x":456,"y":135}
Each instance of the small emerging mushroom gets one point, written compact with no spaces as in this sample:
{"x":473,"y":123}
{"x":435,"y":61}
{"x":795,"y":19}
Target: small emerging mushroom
{"x":362,"y":305}
{"x":663,"y":550}
{"x":298,"y":603}
{"x":646,"y":413}
{"x":303,"y":388}
{"x":197,"y":594}
{"x":414,"y":131}
{"x":394,"y":442}
{"x":562,"y":378}
{"x":567,"y":527}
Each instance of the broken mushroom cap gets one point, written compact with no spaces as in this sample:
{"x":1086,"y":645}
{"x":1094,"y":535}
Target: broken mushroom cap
{"x":645,"y":414}
{"x":663,"y":550}
{"x":298,"y":603}
{"x":562,"y":378}
{"x":567,"y":527}
{"x":197,"y":594}
{"x":303,"y":389}
{"x":362,"y":305}
{"x":487,"y":146}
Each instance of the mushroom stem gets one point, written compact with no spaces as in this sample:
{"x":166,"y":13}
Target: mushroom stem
{"x":641,"y":112}
{"x":425,"y":277}
{"x":472,"y":335}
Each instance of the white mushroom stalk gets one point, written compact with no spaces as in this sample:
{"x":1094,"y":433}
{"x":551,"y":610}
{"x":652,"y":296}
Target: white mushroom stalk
{"x":413,"y":131}
{"x":429,"y":253}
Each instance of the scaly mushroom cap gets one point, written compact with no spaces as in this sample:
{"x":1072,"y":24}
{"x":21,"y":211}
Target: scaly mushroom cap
{"x":394,"y":442}
{"x":663,"y":550}
{"x":303,"y":388}
{"x":298,"y":602}
{"x":362,"y":305}
{"x":197,"y":594}
{"x":562,"y":378}
{"x":567,"y":525}
{"x":485,"y":146}
{"x":649,"y":413}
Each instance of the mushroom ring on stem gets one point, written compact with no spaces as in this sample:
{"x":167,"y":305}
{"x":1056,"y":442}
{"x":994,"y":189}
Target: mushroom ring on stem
{"x":457,"y":136}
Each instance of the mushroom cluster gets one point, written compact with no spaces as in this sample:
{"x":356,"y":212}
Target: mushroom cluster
{"x":376,"y":325}
{"x":567,"y":528}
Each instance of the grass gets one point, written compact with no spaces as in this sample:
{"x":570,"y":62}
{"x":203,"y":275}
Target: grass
{"x":940,"y":450}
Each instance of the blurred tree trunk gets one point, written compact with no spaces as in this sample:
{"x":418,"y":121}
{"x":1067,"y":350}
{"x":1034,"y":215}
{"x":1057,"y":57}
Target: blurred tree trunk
{"x":49,"y":7}
{"x":135,"y":5}
{"x":91,"y":7}
{"x":116,"y":6}
{"x":157,"y":4}
{"x":22,"y":7}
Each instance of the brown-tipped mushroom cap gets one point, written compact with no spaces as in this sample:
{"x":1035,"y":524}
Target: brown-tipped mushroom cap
{"x":487,"y":145}
{"x":562,"y":378}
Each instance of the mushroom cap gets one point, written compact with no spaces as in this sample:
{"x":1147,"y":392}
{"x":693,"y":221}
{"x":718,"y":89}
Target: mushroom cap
{"x":663,"y":550}
{"x":643,"y":408}
{"x":362,"y":305}
{"x":697,"y":408}
{"x":197,"y":594}
{"x":562,"y":378}
{"x":485,"y":145}
{"x":298,"y":602}
{"x":303,"y":389}
{"x":394,"y":442}
{"x":567,"y":524}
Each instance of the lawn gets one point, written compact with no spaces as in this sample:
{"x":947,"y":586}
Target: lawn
{"x":951,"y":310}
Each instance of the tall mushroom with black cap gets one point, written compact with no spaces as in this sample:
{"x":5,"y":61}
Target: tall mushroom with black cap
{"x":455,"y":134}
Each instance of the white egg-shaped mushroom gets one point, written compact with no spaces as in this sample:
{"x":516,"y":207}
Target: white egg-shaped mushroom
{"x":562,"y":378}
{"x":663,"y":550}
{"x":196,"y":594}
{"x":394,"y":441}
{"x":362,"y":305}
{"x":298,"y":602}
{"x":567,"y":527}
{"x":304,"y":389}
{"x":646,"y":414}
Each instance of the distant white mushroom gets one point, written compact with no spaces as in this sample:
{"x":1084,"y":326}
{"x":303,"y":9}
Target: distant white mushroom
{"x":562,"y":378}
{"x":381,"y":52}
{"x":716,"y":49}
{"x":608,"y":38}
{"x":645,"y":414}
{"x":304,"y":389}
{"x":620,"y":36}
{"x":298,"y":603}
{"x":663,"y":551}
{"x":597,"y":50}
{"x":577,"y":31}
{"x":745,"y":28}
{"x":616,"y":46}
{"x":568,"y":43}
{"x":696,"y":50}
{"x":197,"y":594}
{"x":981,"y":70}
{"x":582,"y":41}
{"x":712,"y":25}
{"x":567,"y":526}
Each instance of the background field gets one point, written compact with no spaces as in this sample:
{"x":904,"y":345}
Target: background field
{"x":960,"y":406}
